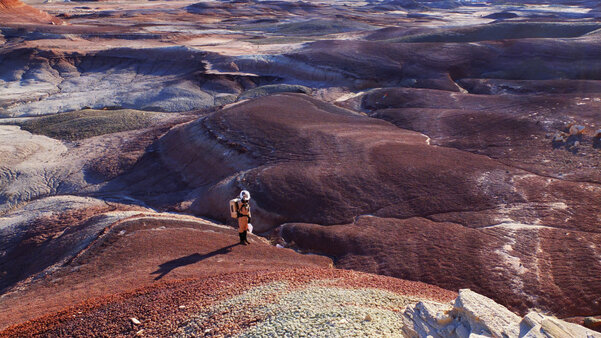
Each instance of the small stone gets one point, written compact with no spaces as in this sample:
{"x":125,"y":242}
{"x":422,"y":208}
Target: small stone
{"x":560,"y":137}
{"x":592,"y":323}
{"x":576,"y":129}
{"x":367,"y":318}
{"x":462,"y":332}
{"x":139,"y":333}
{"x":182,"y":306}
{"x":135,"y":321}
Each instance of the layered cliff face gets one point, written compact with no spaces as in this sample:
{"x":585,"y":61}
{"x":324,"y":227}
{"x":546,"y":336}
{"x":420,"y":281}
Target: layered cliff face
{"x":154,"y":79}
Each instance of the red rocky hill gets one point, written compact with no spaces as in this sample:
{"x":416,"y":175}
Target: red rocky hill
{"x":17,"y":12}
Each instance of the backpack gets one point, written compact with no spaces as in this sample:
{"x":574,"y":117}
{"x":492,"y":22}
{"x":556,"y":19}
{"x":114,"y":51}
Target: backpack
{"x":234,"y":207}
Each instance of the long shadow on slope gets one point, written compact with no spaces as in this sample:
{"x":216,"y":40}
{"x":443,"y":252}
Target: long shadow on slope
{"x":171,"y":265}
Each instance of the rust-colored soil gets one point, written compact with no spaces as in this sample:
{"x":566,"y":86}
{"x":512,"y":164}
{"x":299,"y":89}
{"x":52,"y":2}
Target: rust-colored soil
{"x":142,"y":251}
{"x":162,"y":308}
{"x":15,"y":11}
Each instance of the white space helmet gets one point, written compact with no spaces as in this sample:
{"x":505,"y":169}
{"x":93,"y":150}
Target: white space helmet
{"x":245,"y":195}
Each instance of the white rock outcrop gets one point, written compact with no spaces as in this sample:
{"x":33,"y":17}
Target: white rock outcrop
{"x":472,"y":315}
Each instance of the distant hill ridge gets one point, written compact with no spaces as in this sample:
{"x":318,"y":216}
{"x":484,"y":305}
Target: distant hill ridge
{"x":16,"y":11}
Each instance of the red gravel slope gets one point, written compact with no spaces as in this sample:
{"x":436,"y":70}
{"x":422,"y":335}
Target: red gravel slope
{"x":163,"y":307}
{"x":141,"y":251}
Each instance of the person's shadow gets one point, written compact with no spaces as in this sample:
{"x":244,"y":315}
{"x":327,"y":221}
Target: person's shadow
{"x":169,"y":266}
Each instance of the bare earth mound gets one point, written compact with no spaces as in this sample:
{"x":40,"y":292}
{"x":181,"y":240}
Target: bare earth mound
{"x":311,"y":162}
{"x":16,"y":12}
{"x":247,"y":303}
{"x":103,"y":249}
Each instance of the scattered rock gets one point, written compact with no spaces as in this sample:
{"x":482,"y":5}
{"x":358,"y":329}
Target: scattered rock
{"x":560,"y":137}
{"x":135,"y":321}
{"x":473,"y":315}
{"x":576,"y":129}
{"x":592,"y":323}
{"x":70,"y":239}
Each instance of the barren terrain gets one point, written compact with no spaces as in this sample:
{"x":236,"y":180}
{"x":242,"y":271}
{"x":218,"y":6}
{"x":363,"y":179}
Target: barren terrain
{"x":453,"y":143}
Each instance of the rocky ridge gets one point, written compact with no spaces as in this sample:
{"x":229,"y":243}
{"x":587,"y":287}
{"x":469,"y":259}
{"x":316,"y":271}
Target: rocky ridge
{"x":473,"y":315}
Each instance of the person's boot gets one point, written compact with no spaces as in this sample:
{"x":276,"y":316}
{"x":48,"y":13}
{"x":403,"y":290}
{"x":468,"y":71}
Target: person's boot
{"x":244,"y":236}
{"x":241,"y":234}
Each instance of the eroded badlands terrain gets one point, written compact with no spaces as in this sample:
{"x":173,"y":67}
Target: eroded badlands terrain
{"x":451,"y":143}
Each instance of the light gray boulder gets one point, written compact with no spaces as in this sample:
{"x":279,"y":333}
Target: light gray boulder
{"x":472,"y":315}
